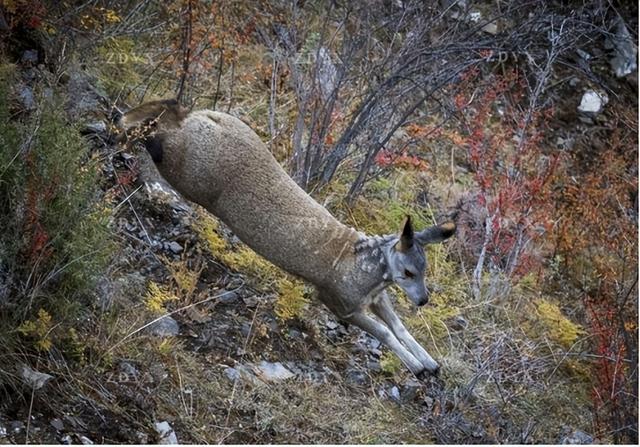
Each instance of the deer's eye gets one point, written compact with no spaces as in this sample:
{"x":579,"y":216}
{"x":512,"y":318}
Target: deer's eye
{"x":408,"y":274}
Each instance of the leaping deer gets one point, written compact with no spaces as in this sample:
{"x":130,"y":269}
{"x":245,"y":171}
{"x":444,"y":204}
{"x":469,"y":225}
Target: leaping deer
{"x":218,"y":162}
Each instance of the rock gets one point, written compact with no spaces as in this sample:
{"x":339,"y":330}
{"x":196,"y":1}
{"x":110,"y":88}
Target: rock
{"x":491,"y":28}
{"x":165,"y":433}
{"x":86,"y":441}
{"x":142,"y":437}
{"x":623,"y":61}
{"x":16,"y":427}
{"x":577,"y":437}
{"x":57,"y":424}
{"x":174,"y":247}
{"x":410,"y":390}
{"x":35,"y":379}
{"x":84,"y":98}
{"x":130,"y":371}
{"x":120,"y":290}
{"x":241,"y":372}
{"x":229,"y":297}
{"x":356,"y":377}
{"x":592,"y":102}
{"x":166,"y":327}
{"x":96,"y":127}
{"x":374,"y":365}
{"x":3,"y":431}
{"x":273,"y":372}
{"x":66,"y":440}
{"x":232,"y":374}
{"x":475,"y":16}
{"x":30,"y":57}
{"x":27,"y":98}
{"x":458,"y":323}
{"x":330,"y":324}
{"x":394,"y":392}
{"x":251,"y":301}
{"x":583,"y":54}
{"x":157,"y":373}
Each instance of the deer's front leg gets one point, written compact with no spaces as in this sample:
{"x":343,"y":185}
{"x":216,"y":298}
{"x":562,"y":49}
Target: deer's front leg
{"x":382,"y":308}
{"x":385,"y":336}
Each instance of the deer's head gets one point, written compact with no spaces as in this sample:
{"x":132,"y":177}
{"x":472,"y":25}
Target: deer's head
{"x":406,"y":260}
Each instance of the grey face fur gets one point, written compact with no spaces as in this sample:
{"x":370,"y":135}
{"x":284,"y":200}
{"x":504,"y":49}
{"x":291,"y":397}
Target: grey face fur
{"x":407,"y":263}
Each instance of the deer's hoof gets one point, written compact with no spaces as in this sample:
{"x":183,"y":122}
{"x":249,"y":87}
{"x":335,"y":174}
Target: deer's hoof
{"x":425,"y":374}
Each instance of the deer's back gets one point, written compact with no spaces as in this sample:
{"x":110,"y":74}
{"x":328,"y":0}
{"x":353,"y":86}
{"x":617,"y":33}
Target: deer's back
{"x":218,"y":162}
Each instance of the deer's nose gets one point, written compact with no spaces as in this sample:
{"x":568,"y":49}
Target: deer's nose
{"x":423,"y":300}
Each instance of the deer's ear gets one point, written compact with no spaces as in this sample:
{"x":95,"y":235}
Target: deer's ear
{"x":406,"y":237}
{"x":439,"y":233}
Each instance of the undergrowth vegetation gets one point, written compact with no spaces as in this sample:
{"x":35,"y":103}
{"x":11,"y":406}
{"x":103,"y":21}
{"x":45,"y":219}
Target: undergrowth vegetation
{"x":55,"y":241}
{"x":140,"y":309}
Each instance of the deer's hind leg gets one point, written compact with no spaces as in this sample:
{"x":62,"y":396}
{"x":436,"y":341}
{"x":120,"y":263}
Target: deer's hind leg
{"x":382,"y":307}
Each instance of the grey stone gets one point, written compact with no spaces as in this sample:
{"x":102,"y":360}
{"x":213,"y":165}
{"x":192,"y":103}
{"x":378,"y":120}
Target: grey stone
{"x":458,"y":323}
{"x":30,"y":56}
{"x":242,"y":372}
{"x":356,"y":377}
{"x":583,"y":54}
{"x":124,"y":289}
{"x":84,"y":98}
{"x":34,"y":379}
{"x":3,"y":431}
{"x":174,"y":247}
{"x":232,"y":374}
{"x":66,"y":440}
{"x":229,"y":297}
{"x":394,"y":392}
{"x":85,"y":441}
{"x":491,"y":28}
{"x":251,"y":301}
{"x":577,"y":437}
{"x":592,"y":102}
{"x":410,"y":390}
{"x":625,"y":51}
{"x":128,"y":369}
{"x":142,"y":437}
{"x":16,"y":427}
{"x":57,"y":424}
{"x":165,"y":433}
{"x":166,"y":327}
{"x":27,"y":98}
{"x":330,"y":324}
{"x":96,"y":127}
{"x":272,"y":372}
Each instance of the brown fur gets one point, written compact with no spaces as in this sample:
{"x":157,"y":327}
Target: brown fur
{"x":217,"y":161}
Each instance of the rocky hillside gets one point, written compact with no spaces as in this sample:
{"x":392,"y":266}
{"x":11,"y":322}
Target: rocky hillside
{"x":130,"y":315}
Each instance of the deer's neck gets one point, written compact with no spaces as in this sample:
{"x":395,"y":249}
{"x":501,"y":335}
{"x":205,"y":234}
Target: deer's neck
{"x":371,"y":261}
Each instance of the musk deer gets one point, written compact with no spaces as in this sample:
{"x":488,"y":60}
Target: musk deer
{"x":218,"y":162}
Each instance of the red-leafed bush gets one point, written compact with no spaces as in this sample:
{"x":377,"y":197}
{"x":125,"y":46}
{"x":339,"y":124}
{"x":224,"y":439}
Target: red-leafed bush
{"x":386,"y":158}
{"x":598,"y":246}
{"x":510,"y":208}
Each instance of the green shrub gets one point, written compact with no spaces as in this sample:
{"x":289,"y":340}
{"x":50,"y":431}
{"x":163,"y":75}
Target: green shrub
{"x":55,"y":241}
